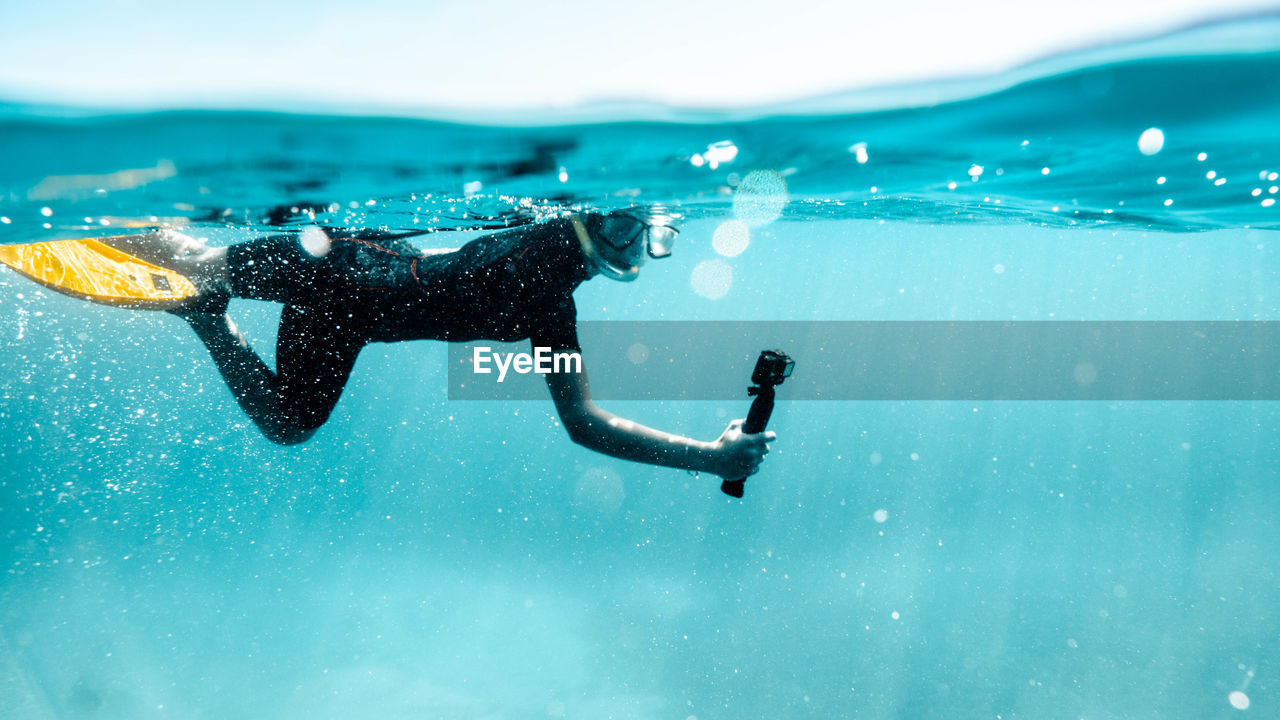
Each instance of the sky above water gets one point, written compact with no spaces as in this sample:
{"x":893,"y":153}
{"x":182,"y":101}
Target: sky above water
{"x":502,"y":55}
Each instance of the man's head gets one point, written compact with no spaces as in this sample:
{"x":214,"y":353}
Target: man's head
{"x":619,"y":241}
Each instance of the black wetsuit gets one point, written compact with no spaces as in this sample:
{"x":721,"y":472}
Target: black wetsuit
{"x":504,"y":287}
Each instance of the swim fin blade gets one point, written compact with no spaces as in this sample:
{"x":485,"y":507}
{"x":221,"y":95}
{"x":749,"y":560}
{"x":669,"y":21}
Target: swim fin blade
{"x":90,"y":269}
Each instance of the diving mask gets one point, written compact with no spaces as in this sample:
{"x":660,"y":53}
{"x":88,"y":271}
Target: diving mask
{"x":621,"y":239}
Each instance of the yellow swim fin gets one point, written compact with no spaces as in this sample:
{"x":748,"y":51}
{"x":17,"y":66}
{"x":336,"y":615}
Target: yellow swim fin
{"x":92,"y":270}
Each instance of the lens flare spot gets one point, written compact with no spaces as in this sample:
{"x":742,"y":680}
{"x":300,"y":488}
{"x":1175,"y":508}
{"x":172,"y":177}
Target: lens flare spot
{"x":315,"y":242}
{"x":760,"y":198}
{"x":731,"y":238}
{"x":1085,"y":374}
{"x":712,"y":278}
{"x":880,"y":515}
{"x":1151,"y":141}
{"x":599,"y":491}
{"x":1238,"y":700}
{"x":638,"y":353}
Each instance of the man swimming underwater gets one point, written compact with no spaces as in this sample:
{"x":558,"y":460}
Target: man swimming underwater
{"x":341,"y":293}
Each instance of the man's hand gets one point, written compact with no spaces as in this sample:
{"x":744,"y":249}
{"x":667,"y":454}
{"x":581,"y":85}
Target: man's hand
{"x":739,"y":455}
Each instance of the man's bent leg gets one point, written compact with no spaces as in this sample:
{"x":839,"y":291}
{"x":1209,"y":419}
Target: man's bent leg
{"x":253,"y":384}
{"x":314,"y":357}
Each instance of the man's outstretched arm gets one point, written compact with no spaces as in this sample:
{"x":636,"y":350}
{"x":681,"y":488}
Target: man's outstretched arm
{"x":733,"y":455}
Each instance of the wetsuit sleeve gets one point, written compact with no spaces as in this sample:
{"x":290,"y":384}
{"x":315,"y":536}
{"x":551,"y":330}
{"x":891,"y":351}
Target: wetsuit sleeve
{"x":557,"y":327}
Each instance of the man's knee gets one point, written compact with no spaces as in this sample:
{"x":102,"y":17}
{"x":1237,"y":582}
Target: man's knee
{"x":288,"y":434}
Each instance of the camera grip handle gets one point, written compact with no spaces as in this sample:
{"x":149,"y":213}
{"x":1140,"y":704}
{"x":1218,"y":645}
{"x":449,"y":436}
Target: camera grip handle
{"x":757,"y":420}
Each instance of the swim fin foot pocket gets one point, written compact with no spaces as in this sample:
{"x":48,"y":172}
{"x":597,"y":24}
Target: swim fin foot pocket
{"x":211,"y":298}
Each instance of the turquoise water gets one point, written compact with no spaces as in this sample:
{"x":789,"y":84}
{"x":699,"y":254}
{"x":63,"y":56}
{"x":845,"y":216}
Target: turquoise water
{"x":424,"y":558}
